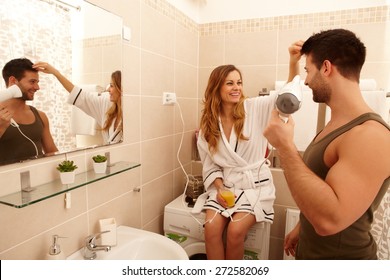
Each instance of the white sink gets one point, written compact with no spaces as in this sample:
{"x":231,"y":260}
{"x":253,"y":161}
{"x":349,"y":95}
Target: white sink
{"x":136,"y":244}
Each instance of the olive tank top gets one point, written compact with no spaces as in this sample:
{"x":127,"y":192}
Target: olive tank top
{"x":15,"y":147}
{"x":354,"y":242}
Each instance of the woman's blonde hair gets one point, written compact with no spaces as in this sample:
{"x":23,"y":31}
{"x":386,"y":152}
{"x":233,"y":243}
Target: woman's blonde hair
{"x":115,"y":111}
{"x":213,"y":104}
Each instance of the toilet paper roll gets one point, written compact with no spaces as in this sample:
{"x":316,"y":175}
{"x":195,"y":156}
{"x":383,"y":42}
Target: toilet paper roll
{"x":108,"y":238}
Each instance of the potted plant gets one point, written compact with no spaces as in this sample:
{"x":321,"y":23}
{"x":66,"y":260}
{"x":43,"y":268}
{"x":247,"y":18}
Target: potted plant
{"x":99,"y":163}
{"x":67,"y":171}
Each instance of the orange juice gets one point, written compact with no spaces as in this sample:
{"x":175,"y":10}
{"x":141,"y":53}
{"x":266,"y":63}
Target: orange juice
{"x":229,"y":197}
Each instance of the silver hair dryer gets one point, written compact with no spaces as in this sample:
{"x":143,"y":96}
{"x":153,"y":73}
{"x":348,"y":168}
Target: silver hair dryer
{"x":289,"y":98}
{"x":10,"y":92}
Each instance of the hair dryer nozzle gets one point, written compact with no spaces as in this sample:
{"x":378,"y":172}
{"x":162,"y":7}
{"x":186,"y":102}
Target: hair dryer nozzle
{"x":289,"y":97}
{"x":10,"y":92}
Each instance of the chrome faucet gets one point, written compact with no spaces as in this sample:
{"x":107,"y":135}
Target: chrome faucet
{"x":91,"y":248}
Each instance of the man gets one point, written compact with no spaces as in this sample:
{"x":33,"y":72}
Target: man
{"x":24,"y":130}
{"x":345,"y":171}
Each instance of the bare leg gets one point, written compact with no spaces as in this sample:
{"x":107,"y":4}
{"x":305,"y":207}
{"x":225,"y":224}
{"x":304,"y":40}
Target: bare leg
{"x":213,"y":231}
{"x":236,"y":233}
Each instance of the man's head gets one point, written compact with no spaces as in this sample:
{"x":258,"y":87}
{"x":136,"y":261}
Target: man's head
{"x":339,"y":46}
{"x":19,"y":71}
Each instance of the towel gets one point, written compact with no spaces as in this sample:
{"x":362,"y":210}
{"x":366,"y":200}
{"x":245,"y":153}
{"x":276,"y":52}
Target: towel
{"x":367,"y":84}
{"x":81,"y":123}
{"x":375,"y":99}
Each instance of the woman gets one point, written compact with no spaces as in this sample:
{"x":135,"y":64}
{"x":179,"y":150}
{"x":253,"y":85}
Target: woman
{"x":232,"y":149}
{"x":105,"y":109}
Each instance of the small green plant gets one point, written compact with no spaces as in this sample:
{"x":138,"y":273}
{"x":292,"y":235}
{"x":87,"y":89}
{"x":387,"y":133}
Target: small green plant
{"x":99,"y":158}
{"x":66,"y":166}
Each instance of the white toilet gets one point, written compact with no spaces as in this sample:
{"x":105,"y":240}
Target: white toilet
{"x":187,"y":230}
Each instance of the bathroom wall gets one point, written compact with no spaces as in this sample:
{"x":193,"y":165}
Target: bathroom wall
{"x":170,"y":52}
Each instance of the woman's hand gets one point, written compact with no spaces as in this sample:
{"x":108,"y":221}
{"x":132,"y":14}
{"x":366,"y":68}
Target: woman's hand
{"x":45,"y":67}
{"x":295,"y":51}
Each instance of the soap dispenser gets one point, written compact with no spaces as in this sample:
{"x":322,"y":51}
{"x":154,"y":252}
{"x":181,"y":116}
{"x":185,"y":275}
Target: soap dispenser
{"x":55,"y":252}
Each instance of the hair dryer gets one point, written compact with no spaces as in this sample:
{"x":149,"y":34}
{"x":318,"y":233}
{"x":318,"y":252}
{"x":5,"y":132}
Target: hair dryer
{"x":10,"y":92}
{"x":289,"y":98}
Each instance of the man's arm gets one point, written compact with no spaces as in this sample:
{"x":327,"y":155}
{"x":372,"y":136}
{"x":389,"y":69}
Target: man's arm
{"x":49,"y":147}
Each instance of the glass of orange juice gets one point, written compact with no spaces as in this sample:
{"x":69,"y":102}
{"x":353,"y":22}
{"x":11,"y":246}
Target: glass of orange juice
{"x":228,"y":195}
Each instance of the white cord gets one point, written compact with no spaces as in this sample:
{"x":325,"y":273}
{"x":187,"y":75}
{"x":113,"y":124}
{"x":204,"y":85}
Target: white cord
{"x":14,"y":124}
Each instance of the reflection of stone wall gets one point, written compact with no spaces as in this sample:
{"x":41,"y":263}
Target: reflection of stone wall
{"x":41,"y":32}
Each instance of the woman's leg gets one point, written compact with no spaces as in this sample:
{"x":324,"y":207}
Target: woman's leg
{"x":213,"y":229}
{"x":236,"y":233}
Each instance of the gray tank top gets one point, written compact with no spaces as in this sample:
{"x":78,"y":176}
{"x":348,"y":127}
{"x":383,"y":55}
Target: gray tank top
{"x":354,"y":242}
{"x":15,"y":147}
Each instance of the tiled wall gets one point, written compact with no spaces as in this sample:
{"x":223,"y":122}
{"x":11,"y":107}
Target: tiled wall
{"x":167,"y":52}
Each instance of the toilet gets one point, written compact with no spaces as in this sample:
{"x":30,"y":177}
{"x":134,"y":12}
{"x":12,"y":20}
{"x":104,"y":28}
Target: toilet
{"x":187,"y":230}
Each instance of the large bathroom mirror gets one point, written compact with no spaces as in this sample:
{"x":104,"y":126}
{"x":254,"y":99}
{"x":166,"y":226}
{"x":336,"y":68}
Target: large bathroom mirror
{"x":78,"y":38}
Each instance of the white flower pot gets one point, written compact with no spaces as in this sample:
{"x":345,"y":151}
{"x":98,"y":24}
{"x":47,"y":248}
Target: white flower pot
{"x":100,"y":167}
{"x":67,"y":177}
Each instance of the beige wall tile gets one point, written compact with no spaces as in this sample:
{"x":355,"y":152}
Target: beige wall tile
{"x":157,"y":74}
{"x":186,"y":45}
{"x":156,"y":158}
{"x":186,"y":80}
{"x":161,"y":42}
{"x":155,"y":195}
{"x":211,"y":51}
{"x":251,"y":48}
{"x":131,"y":118}
{"x":156,"y":119}
{"x":131,"y":74}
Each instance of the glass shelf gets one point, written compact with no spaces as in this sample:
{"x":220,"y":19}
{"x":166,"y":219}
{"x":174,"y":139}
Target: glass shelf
{"x":21,"y":199}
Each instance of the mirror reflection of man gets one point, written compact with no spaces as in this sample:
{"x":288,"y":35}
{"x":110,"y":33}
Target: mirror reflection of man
{"x":24,"y":130}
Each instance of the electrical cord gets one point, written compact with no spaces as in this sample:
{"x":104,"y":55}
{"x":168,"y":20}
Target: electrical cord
{"x":14,"y":124}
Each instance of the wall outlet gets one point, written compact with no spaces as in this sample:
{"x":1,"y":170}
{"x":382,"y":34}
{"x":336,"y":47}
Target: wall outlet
{"x":169,"y":98}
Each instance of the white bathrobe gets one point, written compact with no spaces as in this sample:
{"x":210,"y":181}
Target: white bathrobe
{"x":96,"y":106}
{"x":237,"y":163}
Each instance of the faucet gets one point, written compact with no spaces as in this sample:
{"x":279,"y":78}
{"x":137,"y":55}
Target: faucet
{"x":91,"y":248}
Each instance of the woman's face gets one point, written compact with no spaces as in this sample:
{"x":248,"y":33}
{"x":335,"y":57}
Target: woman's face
{"x":114,"y":93}
{"x":231,"y":88}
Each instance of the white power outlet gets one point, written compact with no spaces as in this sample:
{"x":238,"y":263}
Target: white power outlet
{"x":169,"y":98}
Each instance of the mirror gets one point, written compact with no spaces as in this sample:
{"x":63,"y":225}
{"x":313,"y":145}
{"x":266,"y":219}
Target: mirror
{"x":81,"y":40}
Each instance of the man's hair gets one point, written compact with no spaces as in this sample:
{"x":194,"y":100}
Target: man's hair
{"x":17,"y":68}
{"x":341,"y":47}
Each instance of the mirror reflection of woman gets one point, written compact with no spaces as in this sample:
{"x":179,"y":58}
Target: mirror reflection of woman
{"x":105,"y":108}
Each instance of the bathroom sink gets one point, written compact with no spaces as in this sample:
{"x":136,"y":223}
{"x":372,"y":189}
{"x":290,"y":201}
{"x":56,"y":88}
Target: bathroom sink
{"x":136,"y":244}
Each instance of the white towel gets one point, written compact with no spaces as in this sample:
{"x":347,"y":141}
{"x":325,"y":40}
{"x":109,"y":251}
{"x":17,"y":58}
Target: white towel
{"x":81,"y":123}
{"x":375,"y":99}
{"x":367,"y":84}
